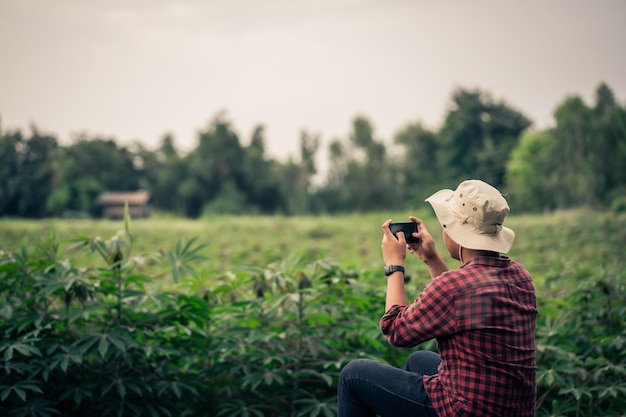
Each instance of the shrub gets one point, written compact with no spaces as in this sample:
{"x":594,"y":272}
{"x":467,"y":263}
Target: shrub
{"x":81,"y":341}
{"x":618,"y":205}
{"x":580,"y":347}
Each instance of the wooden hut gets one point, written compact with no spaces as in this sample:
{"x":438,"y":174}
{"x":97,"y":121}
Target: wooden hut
{"x":111,"y":204}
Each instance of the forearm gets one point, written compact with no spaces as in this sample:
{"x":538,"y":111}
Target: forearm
{"x":396,"y":295}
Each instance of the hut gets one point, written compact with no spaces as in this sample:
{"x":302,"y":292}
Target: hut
{"x":111,"y":204}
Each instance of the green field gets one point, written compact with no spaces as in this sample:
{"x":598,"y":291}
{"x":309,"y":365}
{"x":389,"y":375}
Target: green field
{"x":269,"y":311}
{"x":560,"y":249}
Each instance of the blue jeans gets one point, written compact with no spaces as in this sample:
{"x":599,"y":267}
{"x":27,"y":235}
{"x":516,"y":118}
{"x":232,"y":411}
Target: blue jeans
{"x":368,"y":388}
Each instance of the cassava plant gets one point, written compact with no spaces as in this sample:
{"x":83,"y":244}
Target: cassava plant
{"x":95,"y":340}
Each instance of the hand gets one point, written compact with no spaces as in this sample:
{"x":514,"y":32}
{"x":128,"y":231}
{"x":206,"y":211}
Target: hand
{"x":394,"y":250}
{"x":425,"y":248}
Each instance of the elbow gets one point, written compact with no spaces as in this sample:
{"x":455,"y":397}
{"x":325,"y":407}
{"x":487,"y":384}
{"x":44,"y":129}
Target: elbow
{"x":394,"y":338}
{"x":396,"y":342}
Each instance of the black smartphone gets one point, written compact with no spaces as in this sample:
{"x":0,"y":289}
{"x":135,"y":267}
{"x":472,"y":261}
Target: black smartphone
{"x":407,"y":227}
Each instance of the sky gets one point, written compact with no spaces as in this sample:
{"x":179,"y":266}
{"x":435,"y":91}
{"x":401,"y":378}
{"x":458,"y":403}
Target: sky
{"x":134,"y":70}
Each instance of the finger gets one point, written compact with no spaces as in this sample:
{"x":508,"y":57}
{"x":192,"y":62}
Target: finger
{"x":421,"y":226}
{"x":416,"y":220}
{"x":386,"y":230}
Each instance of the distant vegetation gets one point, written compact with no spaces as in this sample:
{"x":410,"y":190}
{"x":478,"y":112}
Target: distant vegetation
{"x":581,"y":161}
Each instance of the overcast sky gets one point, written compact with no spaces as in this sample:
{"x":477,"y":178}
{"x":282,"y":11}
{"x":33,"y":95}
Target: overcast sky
{"x":134,"y":70}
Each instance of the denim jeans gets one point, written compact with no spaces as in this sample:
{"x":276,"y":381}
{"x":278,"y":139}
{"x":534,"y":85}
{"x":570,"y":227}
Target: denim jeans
{"x":368,"y":388}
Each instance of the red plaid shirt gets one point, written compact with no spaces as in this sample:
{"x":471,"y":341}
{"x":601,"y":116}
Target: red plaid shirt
{"x":483,"y":316}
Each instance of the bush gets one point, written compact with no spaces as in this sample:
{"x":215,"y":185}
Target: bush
{"x":580,"y":351}
{"x":81,"y":341}
{"x":618,"y":205}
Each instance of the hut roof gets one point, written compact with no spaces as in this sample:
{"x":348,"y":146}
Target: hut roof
{"x":121,"y":197}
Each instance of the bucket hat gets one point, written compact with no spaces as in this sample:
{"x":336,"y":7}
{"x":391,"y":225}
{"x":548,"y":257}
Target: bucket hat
{"x":472,"y":215}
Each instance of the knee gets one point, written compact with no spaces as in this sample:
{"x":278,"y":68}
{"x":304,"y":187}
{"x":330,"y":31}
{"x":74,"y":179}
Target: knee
{"x":424,"y":356}
{"x":354,"y":368}
{"x":423,"y":362}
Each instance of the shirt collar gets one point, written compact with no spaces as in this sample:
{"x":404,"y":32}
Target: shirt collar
{"x":499,"y":262}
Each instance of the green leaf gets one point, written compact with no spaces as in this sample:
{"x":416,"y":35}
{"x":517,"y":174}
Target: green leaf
{"x":23,"y":348}
{"x":118,"y":342}
{"x":20,"y":393}
{"x":176,"y":389}
{"x":86,"y":344}
{"x":103,"y":345}
{"x":5,"y":392}
{"x":8,"y":354}
{"x":65,"y":361}
{"x":121,"y":388}
{"x":30,"y":386}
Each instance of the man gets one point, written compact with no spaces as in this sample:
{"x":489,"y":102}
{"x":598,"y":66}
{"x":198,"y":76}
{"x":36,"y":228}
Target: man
{"x":482,"y":314}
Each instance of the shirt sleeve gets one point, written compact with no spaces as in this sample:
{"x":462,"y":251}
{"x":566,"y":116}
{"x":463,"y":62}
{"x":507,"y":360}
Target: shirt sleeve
{"x":432,"y":315}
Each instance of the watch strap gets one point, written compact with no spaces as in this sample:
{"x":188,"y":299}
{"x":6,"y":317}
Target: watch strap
{"x":390,"y":269}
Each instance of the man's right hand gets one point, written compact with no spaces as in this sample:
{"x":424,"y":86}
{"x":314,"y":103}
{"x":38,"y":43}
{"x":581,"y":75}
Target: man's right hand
{"x":426,"y":250}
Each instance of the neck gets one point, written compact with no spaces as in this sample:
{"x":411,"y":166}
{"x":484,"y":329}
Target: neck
{"x":466,"y":254}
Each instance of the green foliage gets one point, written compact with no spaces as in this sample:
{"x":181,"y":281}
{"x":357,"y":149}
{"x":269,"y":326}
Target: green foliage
{"x":478,"y":136}
{"x":111,"y":339}
{"x":79,"y":341}
{"x":360,"y":173}
{"x":580,"y":350}
{"x":419,"y":174}
{"x":580,"y":161}
{"x":619,"y":205}
{"x":99,"y":341}
{"x":26,"y":173}
{"x":531,"y":182}
{"x":589,"y":150}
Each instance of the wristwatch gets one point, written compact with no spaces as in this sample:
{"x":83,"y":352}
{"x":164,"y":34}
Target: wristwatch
{"x":390,"y":269}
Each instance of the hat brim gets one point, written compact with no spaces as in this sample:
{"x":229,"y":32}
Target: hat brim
{"x":463,"y":234}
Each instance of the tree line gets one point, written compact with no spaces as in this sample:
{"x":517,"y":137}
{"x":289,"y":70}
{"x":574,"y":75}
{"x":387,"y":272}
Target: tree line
{"x":581,"y":160}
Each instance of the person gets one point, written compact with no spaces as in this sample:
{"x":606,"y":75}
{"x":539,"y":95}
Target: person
{"x":483,"y":316}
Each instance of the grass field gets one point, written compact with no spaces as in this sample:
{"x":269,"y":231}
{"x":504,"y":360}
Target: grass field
{"x":240,"y":349}
{"x":560,"y":249}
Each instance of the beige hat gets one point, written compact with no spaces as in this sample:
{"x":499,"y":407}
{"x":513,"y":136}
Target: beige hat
{"x":472,"y":216}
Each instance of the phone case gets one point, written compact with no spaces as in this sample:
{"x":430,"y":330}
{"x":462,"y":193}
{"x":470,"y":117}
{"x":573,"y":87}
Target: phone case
{"x":407,"y":227}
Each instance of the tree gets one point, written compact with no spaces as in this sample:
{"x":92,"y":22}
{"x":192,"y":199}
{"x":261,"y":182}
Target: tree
{"x":608,"y":132}
{"x":297,"y":176}
{"x":113,"y":167}
{"x":477,"y":137}
{"x":73,"y":192}
{"x":330,"y":198}
{"x":26,"y":173}
{"x":171,"y":177}
{"x":590,"y":149}
{"x":260,"y":177}
{"x":367,"y":177}
{"x":573,"y":156}
{"x":359,"y":172}
{"x":9,"y":173}
{"x":531,"y":180}
{"x":417,"y":169}
{"x":90,"y":167}
{"x":217,"y":159}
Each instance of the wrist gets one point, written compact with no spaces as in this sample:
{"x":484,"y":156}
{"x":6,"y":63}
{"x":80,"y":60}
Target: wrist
{"x":433,"y":260}
{"x":393,"y":268}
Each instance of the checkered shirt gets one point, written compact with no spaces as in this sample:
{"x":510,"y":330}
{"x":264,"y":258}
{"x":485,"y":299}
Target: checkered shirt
{"x":483,"y":316}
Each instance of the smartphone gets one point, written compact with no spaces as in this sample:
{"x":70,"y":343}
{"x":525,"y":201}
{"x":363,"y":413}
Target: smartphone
{"x":407,"y":227}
